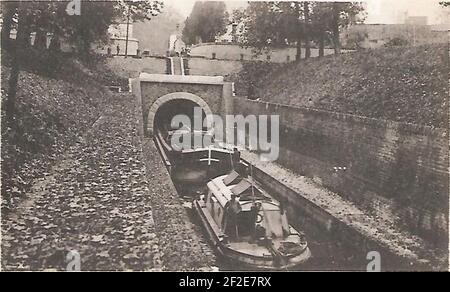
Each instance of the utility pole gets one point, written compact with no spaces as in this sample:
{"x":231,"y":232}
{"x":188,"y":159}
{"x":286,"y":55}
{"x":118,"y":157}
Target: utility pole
{"x":128,"y":27}
{"x":298,"y":54}
{"x":307,"y":30}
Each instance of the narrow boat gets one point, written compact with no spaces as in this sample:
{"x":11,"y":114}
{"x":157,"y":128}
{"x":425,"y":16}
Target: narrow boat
{"x":249,"y":227}
{"x":195,"y":166}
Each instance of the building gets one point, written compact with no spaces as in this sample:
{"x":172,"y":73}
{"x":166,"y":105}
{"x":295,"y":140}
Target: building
{"x":416,"y":20}
{"x":118,"y":41}
{"x":415,"y":31}
{"x":232,"y":34}
{"x":176,"y":44}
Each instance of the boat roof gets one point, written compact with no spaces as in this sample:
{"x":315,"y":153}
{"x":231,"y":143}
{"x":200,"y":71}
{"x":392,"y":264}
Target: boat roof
{"x":241,"y":187}
{"x":232,"y":176}
{"x":222,"y":190}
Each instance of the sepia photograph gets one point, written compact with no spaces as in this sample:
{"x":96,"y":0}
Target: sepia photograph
{"x":237,"y":137}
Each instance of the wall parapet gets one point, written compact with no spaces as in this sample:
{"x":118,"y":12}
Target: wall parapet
{"x":401,"y":126}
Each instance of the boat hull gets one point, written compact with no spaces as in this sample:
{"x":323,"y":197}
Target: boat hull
{"x":194,"y":168}
{"x":244,"y":260}
{"x":198,"y":172}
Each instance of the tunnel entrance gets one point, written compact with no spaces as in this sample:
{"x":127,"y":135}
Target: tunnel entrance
{"x":168,"y":110}
{"x":166,"y":107}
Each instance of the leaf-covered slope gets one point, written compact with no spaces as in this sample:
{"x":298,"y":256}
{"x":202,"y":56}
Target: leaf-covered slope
{"x":51,"y":112}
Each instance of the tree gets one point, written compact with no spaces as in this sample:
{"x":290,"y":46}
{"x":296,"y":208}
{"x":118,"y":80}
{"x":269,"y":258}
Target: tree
{"x":138,"y":10}
{"x":343,"y":14}
{"x":43,"y":17}
{"x":9,"y":10}
{"x":295,"y":24}
{"x":206,"y":21}
{"x":275,"y":24}
{"x":320,"y":24}
{"x":237,"y":18}
{"x":22,"y":41}
{"x":307,"y":29}
{"x":90,"y":27}
{"x":272,"y":25}
{"x":355,"y":39}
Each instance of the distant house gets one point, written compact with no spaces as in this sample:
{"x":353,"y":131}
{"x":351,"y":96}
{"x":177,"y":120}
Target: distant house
{"x":232,"y":34}
{"x":415,"y":31}
{"x":176,"y":44}
{"x":118,"y":39}
{"x":117,"y":36}
{"x":416,"y":20}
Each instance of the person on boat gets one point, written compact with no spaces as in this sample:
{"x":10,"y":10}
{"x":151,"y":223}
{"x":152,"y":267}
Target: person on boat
{"x":284,"y":222}
{"x":236,"y":156}
{"x":258,"y":231}
{"x":232,"y":210}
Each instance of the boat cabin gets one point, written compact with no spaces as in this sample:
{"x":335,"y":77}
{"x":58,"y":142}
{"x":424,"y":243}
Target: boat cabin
{"x":244,"y":211}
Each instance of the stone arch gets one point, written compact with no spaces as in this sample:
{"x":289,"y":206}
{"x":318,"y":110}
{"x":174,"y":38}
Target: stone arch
{"x":174,"y":96}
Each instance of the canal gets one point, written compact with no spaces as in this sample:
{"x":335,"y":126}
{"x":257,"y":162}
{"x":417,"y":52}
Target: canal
{"x":328,"y":254}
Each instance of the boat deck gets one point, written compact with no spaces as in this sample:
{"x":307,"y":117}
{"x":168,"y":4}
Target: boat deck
{"x":249,"y":248}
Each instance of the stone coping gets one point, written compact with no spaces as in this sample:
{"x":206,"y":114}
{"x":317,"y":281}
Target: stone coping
{"x":185,"y":79}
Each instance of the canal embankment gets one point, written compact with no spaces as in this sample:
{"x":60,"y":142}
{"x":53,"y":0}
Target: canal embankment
{"x":311,"y":204}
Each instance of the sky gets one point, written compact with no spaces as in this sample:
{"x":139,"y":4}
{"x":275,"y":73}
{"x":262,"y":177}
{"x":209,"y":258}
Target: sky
{"x":378,"y":11}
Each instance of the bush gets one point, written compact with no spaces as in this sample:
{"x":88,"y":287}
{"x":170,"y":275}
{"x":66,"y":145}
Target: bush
{"x":251,"y":77}
{"x":396,"y":42}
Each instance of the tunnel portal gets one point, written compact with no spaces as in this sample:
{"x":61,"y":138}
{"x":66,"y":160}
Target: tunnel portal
{"x":166,"y":107}
{"x":170,"y":109}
